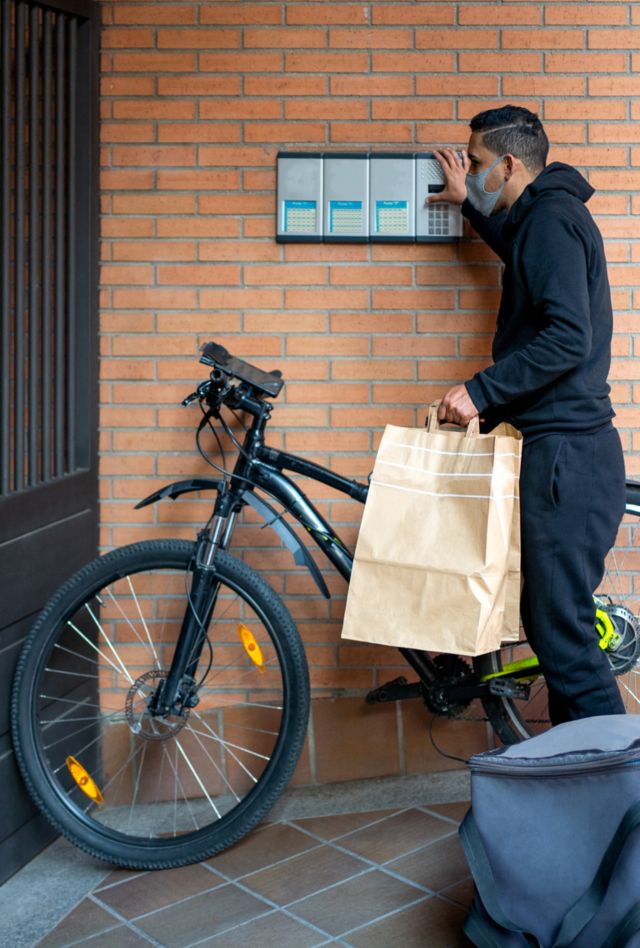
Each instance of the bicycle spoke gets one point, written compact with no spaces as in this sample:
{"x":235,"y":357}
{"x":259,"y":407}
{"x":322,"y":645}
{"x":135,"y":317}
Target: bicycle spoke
{"x":198,"y":780}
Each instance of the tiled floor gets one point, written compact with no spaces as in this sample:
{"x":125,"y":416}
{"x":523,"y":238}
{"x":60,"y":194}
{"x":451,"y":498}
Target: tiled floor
{"x":376,"y":879}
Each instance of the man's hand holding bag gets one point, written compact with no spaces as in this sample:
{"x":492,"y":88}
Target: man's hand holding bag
{"x":437,"y":562}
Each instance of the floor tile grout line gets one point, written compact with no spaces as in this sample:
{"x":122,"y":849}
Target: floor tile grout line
{"x":380,"y":918}
{"x":273,"y":906}
{"x":162,"y":908}
{"x":382,"y":865}
{"x":130,"y":924}
{"x":113,"y":885}
{"x":271,"y":865}
{"x":381,"y":819}
{"x":79,"y":941}
{"x":424,"y":808}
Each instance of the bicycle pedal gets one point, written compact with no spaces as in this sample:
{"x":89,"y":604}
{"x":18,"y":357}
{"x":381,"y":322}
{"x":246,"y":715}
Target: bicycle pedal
{"x":509,"y":689}
{"x":394,"y":690}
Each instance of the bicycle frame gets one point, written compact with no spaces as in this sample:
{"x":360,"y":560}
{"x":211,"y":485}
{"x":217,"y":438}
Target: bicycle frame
{"x":260,"y":466}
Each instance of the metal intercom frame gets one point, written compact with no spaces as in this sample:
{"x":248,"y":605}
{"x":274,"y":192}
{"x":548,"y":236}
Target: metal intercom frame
{"x":360,"y":197}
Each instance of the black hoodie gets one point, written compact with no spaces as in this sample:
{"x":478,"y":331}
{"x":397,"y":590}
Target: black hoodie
{"x":552,"y":347}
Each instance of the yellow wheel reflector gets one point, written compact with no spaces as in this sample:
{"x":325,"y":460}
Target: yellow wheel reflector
{"x":86,"y":783}
{"x":251,"y":646}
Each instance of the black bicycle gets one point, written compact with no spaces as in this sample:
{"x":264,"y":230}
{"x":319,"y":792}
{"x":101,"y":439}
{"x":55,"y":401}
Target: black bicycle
{"x":160,"y":703}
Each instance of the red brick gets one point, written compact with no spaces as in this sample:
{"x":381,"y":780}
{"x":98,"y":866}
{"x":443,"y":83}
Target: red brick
{"x":614,"y":85}
{"x":153,"y":109}
{"x":370,"y":275}
{"x":199,"y":132}
{"x":127,"y":39}
{"x":542,"y":39}
{"x":240,"y":109}
{"x":326,"y":63}
{"x":198,"y":180}
{"x":327,"y":109}
{"x":585,"y":109}
{"x":198,"y":275}
{"x":153,"y":250}
{"x":544,"y":86}
{"x":285,"y":85}
{"x":198,"y":38}
{"x":456,"y":39}
{"x":243,"y":13}
{"x":614,"y":39}
{"x":152,"y":155}
{"x":579,"y":14}
{"x":154,"y":62}
{"x":412,"y":109}
{"x":117,"y":85}
{"x":249,"y":250}
{"x":500,"y":62}
{"x":286,"y":38}
{"x":284,"y":132}
{"x":457,"y":85}
{"x":363,"y":38}
{"x":126,"y":132}
{"x":412,"y":62}
{"x":585,"y":62}
{"x":198,"y":85}
{"x":371,"y":85}
{"x":240,"y":62}
{"x":325,"y":13}
{"x":418,"y":14}
{"x":470,"y":14}
{"x":153,"y":13}
{"x":370,"y":132}
{"x":125,"y":180}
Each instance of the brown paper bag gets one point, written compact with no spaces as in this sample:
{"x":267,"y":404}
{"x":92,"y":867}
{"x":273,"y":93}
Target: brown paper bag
{"x":437,"y":562}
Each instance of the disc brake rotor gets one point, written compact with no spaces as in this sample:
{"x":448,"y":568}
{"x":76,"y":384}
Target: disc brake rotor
{"x":622,"y":642}
{"x":141,"y":721}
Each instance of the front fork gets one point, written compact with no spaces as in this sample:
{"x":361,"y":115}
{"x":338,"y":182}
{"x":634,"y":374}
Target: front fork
{"x":178,"y":691}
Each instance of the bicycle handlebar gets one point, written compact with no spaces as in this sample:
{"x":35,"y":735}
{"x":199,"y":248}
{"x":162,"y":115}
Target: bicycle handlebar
{"x":218,"y":389}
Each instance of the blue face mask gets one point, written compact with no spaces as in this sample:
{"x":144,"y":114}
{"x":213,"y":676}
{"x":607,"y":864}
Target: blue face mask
{"x":483,"y":201}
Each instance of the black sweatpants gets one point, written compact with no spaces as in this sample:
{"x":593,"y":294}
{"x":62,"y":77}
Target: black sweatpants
{"x":572,"y":498}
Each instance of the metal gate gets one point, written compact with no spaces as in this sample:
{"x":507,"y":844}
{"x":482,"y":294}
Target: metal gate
{"x":48,"y":337}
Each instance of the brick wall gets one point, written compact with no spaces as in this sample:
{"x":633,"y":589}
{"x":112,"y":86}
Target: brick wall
{"x":197,"y":98}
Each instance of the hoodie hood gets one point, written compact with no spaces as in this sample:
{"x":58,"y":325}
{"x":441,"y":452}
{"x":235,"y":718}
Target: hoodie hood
{"x":556,"y":177}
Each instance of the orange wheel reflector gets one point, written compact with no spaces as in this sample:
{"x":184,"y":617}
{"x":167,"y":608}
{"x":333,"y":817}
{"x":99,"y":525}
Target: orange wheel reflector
{"x":251,"y":647}
{"x":86,"y":783}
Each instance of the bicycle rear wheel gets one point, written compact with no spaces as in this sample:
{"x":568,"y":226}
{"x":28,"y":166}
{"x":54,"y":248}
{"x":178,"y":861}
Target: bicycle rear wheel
{"x":516,"y":719}
{"x":140,"y":790}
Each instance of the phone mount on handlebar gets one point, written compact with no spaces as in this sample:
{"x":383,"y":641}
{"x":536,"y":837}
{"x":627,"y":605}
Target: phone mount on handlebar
{"x":269,"y":383}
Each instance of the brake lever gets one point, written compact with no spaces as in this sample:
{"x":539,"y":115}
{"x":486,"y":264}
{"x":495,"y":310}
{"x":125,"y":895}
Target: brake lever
{"x":199,"y":395}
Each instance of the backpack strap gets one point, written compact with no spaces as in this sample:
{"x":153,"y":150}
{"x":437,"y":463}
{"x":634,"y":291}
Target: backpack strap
{"x":582,"y":911}
{"x":627,"y":926}
{"x":487,"y":890}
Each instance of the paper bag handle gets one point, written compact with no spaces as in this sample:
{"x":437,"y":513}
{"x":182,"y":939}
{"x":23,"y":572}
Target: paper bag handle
{"x":433,"y":424}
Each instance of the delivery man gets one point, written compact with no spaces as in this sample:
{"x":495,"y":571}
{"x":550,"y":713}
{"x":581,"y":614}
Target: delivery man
{"x":551,"y":351}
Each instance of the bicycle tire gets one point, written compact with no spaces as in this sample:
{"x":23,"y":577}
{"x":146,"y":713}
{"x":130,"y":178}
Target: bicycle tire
{"x":215,"y":774}
{"x":514,"y":720}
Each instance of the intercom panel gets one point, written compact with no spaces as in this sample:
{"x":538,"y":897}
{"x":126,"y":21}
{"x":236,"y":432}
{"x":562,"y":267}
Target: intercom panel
{"x":392,"y":212}
{"x":346,"y":197}
{"x":434,"y":222}
{"x":299,"y":197}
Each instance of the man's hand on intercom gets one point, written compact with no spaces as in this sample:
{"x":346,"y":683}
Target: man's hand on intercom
{"x":457,"y":407}
{"x":455,"y":173}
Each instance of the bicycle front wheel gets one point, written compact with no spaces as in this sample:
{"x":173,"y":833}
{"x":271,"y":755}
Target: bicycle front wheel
{"x":515,"y":719}
{"x":131,"y":787}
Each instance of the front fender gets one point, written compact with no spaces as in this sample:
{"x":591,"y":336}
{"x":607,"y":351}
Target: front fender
{"x":180,"y":487}
{"x":271,"y":517}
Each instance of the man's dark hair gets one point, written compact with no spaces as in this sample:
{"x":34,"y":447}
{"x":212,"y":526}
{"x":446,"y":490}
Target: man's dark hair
{"x":512,"y":130}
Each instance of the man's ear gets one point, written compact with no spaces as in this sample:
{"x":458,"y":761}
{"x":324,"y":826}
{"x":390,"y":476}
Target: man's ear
{"x":511,"y":165}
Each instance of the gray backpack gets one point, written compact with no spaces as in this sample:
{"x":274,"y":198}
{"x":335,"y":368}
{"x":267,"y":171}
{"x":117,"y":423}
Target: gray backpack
{"x":553,"y":838}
